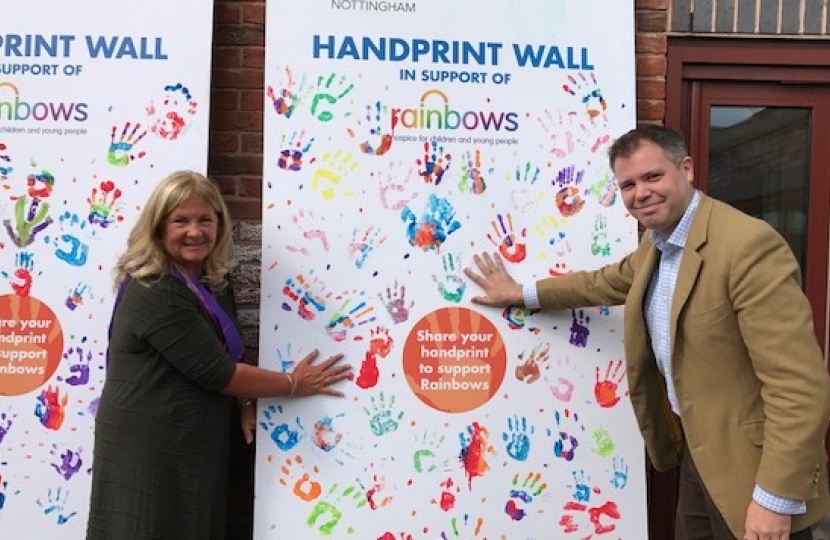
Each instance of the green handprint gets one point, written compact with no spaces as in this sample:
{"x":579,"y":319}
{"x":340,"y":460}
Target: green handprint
{"x":326,"y":508}
{"x":603,"y":444}
{"x":383,"y":420}
{"x":27,"y":224}
{"x":327,"y":93}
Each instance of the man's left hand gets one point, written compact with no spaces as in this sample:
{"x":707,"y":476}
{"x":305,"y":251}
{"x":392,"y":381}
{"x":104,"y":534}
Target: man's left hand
{"x":763,"y":524}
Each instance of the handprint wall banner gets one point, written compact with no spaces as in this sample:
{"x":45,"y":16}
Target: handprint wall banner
{"x":400,"y":140}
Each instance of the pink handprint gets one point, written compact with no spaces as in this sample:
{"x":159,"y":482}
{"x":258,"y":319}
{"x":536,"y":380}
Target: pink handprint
{"x":394,"y":194}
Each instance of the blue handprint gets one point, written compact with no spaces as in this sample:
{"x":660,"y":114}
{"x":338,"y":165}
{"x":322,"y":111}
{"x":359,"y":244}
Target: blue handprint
{"x":620,"y":478}
{"x":55,"y":501}
{"x":518,"y":437}
{"x":431,"y":230}
{"x":582,"y":491}
{"x":282,"y":434}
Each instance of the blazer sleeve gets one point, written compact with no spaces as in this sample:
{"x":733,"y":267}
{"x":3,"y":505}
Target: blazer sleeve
{"x":776,"y":326}
{"x":606,"y":286}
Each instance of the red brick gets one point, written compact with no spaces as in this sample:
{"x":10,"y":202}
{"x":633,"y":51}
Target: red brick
{"x":651,"y":89}
{"x":253,"y":13}
{"x":227,"y":57}
{"x":651,"y":110}
{"x":251,"y":100}
{"x":652,"y":21}
{"x":250,"y":188}
{"x":224,"y":13}
{"x":224,"y":100}
{"x":253,"y":57}
{"x":229,"y":164}
{"x":244,"y":209}
{"x":250,"y":143}
{"x":650,"y":65}
{"x":238,"y":120}
{"x":237,"y":34}
{"x":224,"y":142}
{"x":238,"y":78}
{"x":651,"y":43}
{"x":227,"y":186}
{"x":651,"y":4}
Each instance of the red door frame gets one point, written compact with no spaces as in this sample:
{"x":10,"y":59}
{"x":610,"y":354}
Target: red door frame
{"x":691,"y":62}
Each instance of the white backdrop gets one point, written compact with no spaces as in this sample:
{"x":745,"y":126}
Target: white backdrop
{"x":401,"y":138}
{"x":98,"y":101}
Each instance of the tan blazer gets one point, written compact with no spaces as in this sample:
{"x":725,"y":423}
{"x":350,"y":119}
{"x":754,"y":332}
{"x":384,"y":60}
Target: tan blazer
{"x":750,"y":378}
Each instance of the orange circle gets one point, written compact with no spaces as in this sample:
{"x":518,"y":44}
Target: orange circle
{"x":31,"y":343}
{"x":454,"y":359}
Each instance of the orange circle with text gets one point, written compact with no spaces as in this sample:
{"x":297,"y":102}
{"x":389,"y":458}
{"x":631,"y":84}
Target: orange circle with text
{"x":31,"y":344}
{"x":454,"y":359}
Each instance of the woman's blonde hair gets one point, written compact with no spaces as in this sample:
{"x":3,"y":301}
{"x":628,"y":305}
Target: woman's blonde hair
{"x":145,"y":256}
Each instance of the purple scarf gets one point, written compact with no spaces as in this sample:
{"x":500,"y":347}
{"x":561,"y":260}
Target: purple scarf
{"x":230,"y":335}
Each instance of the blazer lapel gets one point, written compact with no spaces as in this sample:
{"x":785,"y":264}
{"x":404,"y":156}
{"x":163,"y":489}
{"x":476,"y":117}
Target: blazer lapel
{"x":691,"y":263}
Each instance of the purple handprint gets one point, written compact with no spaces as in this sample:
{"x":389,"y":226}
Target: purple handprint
{"x":79,"y":369}
{"x":70,"y":463}
{"x":395,"y":303}
{"x":579,"y":329}
{"x":5,"y":425}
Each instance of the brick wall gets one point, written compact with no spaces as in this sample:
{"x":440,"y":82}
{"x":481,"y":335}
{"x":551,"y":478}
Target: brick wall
{"x":650,"y":45}
{"x":236,"y":163}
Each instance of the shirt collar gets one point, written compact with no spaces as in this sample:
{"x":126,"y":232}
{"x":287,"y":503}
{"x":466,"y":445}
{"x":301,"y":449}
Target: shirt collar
{"x":681,"y":232}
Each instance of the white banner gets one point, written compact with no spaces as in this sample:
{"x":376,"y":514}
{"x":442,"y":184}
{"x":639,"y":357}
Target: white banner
{"x":402,"y":138}
{"x":98,"y":101}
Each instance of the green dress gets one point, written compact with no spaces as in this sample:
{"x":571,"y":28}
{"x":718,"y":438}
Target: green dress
{"x":162,"y":431}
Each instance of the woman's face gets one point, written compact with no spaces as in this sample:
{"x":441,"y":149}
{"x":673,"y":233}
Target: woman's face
{"x":190,"y":234}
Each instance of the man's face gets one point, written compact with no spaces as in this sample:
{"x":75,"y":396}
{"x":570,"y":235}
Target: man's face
{"x":655,"y":190}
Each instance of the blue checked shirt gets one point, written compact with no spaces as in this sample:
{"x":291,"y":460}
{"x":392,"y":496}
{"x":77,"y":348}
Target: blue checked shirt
{"x":658,"y":319}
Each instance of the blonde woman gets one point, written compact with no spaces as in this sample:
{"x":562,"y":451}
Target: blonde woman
{"x":162,"y":431}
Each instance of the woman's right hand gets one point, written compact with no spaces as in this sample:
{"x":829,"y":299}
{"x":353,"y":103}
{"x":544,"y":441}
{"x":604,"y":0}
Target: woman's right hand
{"x":313,"y":379}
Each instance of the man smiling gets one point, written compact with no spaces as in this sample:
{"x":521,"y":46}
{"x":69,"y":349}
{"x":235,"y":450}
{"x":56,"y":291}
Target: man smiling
{"x":726,"y":377}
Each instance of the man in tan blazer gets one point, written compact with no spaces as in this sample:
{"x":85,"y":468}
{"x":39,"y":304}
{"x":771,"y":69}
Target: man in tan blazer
{"x":726,"y":377}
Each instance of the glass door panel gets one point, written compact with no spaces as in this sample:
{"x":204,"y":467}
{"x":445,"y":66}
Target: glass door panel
{"x":759,"y":161}
{"x":765,"y":149}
